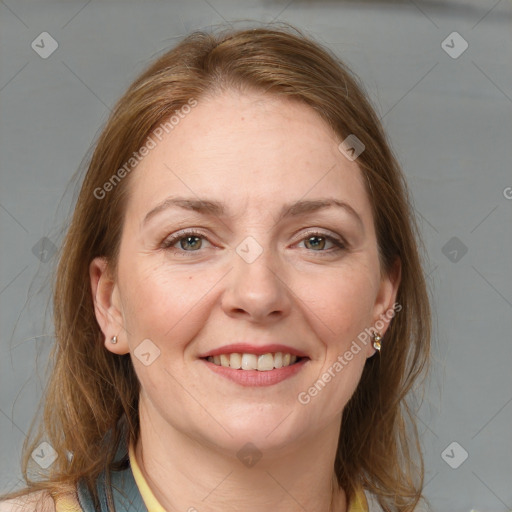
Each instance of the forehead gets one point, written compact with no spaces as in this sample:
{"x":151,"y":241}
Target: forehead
{"x":247,"y":149}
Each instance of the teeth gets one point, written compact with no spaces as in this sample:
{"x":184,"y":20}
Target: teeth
{"x":235,"y":361}
{"x":262,"y":363}
{"x":265,"y":362}
{"x":249,"y":362}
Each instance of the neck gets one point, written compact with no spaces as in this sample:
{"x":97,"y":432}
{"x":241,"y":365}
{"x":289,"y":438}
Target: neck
{"x":186,"y":474}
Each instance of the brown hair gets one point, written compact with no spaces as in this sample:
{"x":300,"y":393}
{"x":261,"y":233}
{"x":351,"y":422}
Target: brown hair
{"x":92,"y":394}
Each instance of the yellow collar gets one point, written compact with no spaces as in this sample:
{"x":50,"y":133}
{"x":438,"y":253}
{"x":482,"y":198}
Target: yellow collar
{"x":152,"y":504}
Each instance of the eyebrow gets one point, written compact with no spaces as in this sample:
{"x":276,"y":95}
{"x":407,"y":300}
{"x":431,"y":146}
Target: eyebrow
{"x":217,"y":209}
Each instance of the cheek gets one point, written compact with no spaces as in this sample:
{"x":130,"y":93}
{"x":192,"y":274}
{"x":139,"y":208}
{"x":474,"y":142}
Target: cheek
{"x":157,"y":299}
{"x":339,"y":302}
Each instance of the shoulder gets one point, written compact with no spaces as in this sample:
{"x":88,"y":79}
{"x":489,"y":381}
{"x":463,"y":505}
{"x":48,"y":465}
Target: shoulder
{"x":38,"y":501}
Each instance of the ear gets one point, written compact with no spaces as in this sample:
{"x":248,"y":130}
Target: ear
{"x":107,"y":306}
{"x":385,"y":306}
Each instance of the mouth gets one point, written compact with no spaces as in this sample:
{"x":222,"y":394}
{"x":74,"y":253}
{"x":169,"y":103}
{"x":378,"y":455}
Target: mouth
{"x":249,"y":364}
{"x":261,"y":363}
{"x":254,"y":370}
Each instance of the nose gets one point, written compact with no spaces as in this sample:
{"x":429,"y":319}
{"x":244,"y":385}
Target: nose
{"x":257,"y":290}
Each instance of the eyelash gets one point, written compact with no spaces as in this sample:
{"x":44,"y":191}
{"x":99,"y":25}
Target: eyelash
{"x":173,"y":239}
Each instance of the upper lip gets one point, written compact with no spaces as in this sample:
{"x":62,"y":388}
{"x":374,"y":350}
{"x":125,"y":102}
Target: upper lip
{"x":246,"y":348}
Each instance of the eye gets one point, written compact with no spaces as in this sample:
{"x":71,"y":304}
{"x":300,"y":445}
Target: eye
{"x":193,"y":241}
{"x":319,"y":242}
{"x":187,"y":241}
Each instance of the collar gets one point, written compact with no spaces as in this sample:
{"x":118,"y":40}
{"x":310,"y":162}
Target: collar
{"x":152,"y":504}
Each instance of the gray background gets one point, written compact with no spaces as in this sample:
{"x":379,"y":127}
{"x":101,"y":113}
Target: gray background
{"x":449,"y":121}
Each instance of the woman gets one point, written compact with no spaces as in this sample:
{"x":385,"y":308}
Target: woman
{"x":239,"y":306}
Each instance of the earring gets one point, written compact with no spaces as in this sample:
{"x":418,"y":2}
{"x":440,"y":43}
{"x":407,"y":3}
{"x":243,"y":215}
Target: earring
{"x":114,"y":339}
{"x":376,"y":340}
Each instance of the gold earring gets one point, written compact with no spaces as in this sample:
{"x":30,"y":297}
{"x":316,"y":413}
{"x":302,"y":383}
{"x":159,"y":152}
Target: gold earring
{"x":114,"y":339}
{"x":376,"y":340}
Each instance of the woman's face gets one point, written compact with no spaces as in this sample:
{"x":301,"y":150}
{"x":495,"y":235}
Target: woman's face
{"x":245,"y":225}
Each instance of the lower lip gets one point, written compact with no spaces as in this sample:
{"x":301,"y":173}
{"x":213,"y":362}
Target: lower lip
{"x":255,"y":377}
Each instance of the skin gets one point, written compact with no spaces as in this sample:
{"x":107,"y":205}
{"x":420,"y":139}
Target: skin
{"x":254,"y":153}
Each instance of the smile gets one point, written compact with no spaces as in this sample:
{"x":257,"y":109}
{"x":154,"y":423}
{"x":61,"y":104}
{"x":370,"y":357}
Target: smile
{"x":261,"y":363}
{"x":246,"y":370}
